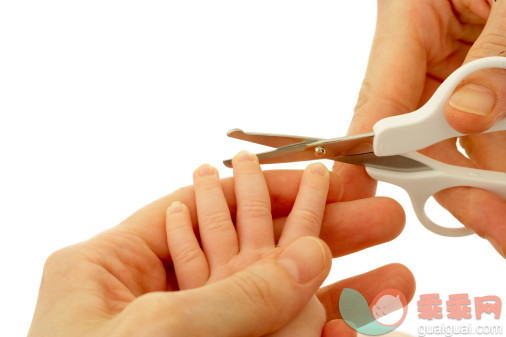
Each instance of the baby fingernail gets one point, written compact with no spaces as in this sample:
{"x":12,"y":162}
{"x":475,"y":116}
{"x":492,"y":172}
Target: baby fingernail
{"x":304,"y":259}
{"x":205,"y":170}
{"x":175,"y":207}
{"x":244,"y":156}
{"x":318,"y":168}
{"x":473,"y":98}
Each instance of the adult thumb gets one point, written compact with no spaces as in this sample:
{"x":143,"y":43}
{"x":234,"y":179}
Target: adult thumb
{"x":253,"y":302}
{"x":480,"y":100}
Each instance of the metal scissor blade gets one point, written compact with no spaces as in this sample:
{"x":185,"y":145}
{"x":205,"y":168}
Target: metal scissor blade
{"x":285,"y":154}
{"x":267,"y":139}
{"x":344,"y":146}
{"x":397,"y":163}
{"x":320,"y":149}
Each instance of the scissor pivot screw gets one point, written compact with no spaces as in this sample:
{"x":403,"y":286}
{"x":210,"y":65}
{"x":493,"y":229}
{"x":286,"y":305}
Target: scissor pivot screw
{"x":319,"y":151}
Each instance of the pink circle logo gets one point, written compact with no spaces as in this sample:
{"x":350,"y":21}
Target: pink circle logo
{"x":389,"y":307}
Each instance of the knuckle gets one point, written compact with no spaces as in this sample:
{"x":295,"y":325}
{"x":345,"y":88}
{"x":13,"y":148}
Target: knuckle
{"x":217,"y":221}
{"x":187,"y":253}
{"x":62,"y":264}
{"x":54,"y":259}
{"x":256,"y":208}
{"x":307,"y":218}
{"x":369,"y":100}
{"x":490,"y":43}
{"x":57,"y":260}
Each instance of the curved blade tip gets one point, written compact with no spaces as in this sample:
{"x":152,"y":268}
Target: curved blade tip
{"x":232,"y":131}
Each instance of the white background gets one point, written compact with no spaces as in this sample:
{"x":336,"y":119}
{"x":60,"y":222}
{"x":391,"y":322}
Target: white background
{"x":108,"y":105}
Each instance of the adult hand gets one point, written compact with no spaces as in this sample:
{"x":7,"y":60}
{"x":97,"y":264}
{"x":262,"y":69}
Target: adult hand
{"x":416,"y":46}
{"x":121,"y":282}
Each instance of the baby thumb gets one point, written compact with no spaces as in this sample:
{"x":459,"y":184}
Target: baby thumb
{"x":253,"y":302}
{"x":480,"y":100}
{"x":263,"y":297}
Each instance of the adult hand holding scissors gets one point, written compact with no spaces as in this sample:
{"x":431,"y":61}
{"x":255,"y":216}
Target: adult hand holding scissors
{"x":416,"y":46}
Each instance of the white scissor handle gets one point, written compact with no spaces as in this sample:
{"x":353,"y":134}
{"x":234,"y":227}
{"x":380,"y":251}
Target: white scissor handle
{"x":421,"y":185}
{"x":428,"y":125}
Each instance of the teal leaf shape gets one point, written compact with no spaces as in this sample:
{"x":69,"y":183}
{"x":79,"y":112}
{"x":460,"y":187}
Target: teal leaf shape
{"x":356,"y":313}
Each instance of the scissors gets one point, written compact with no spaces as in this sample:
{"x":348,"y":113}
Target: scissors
{"x":388,"y":153}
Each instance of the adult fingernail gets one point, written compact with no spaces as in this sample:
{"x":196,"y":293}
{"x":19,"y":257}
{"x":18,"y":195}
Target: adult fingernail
{"x":473,"y":98}
{"x":318,"y":168}
{"x":244,"y":156}
{"x":304,"y":259}
{"x":176,"y":207}
{"x":205,"y":170}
